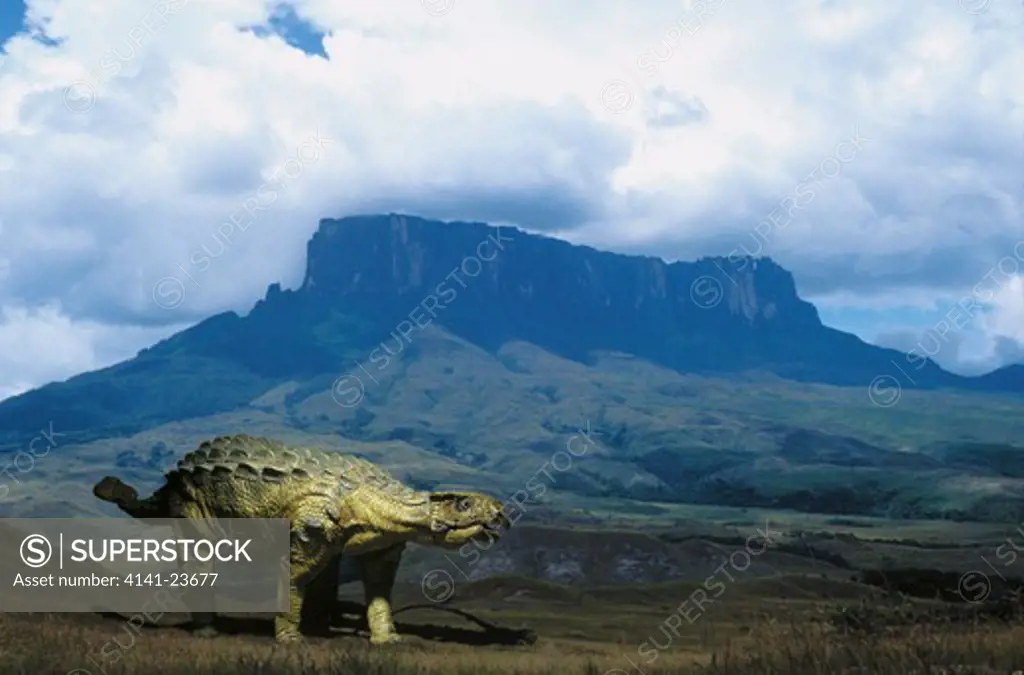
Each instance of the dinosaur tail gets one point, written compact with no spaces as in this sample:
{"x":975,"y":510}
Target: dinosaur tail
{"x":126,"y":497}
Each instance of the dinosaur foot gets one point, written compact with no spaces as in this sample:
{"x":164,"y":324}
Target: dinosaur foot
{"x":385,"y":639}
{"x":289,"y":638}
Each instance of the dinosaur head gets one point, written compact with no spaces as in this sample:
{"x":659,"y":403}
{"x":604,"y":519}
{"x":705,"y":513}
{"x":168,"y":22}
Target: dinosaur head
{"x":458,"y":517}
{"x":445,"y":519}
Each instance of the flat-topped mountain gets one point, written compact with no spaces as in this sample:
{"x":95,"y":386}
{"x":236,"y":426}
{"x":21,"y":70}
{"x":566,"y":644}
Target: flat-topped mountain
{"x":366,"y":275}
{"x":465,"y":352}
{"x":709,"y":316}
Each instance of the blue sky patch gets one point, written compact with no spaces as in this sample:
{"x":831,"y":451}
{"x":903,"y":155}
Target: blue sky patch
{"x":12,"y":19}
{"x":293,"y":29}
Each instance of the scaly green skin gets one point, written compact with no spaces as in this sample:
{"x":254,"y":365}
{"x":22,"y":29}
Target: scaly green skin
{"x":337,"y":504}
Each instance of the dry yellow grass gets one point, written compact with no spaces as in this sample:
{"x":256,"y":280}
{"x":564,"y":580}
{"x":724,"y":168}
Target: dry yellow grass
{"x":787,"y":639}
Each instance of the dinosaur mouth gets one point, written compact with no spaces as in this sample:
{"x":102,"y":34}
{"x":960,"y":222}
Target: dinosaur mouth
{"x":499,"y":526}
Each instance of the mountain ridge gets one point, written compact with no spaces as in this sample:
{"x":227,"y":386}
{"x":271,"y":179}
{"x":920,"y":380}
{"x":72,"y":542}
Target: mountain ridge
{"x":368,"y":274}
{"x":463,"y":355}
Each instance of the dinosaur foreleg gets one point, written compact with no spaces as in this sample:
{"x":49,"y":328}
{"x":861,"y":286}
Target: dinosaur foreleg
{"x":379,"y":570}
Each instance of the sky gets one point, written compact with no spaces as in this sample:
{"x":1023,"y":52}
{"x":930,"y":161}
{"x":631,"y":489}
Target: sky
{"x":872,"y":147}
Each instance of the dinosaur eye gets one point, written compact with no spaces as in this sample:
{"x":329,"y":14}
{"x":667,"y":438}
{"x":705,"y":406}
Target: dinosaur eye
{"x":462,"y":505}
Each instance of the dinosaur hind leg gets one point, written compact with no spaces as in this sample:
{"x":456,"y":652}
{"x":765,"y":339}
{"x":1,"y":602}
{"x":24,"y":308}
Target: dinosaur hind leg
{"x":202,"y":624}
{"x":309,"y":555}
{"x":319,"y":600}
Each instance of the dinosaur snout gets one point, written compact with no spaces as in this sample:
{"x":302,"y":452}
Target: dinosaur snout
{"x":499,"y":521}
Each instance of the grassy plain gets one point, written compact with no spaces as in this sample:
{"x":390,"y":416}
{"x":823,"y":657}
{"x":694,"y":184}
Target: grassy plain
{"x":682,"y":468}
{"x":666,"y":445}
{"x":793,"y":611}
{"x":758,"y":627}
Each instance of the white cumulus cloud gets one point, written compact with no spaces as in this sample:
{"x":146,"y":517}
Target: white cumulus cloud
{"x":133,"y":133}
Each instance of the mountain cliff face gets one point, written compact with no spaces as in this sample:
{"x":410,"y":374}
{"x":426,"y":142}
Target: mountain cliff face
{"x":490,"y":285}
{"x":495,"y":284}
{"x":377,"y":280}
{"x":385,"y":257}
